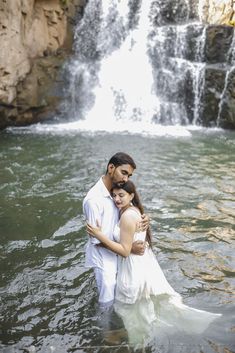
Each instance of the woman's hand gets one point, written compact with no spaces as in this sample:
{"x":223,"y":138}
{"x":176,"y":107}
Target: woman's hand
{"x":93,"y":231}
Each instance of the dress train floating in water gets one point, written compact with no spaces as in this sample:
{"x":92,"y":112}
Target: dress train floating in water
{"x":147,"y":303}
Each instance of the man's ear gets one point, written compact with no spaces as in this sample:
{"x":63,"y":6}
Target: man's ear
{"x":111,"y":166}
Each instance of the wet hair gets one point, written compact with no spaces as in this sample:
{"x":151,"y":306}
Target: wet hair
{"x":130,"y":188}
{"x":121,"y":158}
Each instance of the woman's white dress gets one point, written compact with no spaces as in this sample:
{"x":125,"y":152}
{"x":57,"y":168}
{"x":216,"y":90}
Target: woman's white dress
{"x":146,"y":302}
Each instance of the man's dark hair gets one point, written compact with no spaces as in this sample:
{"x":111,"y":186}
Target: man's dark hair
{"x":121,"y":158}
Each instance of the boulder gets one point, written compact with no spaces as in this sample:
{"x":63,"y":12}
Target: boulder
{"x":218,"y":43}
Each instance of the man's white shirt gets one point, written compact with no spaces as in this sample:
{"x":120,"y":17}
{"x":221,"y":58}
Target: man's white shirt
{"x":98,"y":206}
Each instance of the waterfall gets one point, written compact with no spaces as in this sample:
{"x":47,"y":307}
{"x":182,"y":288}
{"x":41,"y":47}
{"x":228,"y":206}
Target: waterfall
{"x":137,"y":64}
{"x":230,"y":62}
{"x":124,"y":90}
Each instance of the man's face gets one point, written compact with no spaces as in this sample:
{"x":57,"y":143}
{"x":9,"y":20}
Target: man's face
{"x":119,"y":175}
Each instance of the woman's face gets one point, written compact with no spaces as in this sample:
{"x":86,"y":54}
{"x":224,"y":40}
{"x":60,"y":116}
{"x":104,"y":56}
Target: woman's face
{"x":121,"y":198}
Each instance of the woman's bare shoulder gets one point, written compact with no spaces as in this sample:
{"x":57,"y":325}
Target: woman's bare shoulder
{"x":132,"y":213}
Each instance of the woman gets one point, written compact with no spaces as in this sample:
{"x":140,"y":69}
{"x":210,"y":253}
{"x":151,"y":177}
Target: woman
{"x":144,"y":299}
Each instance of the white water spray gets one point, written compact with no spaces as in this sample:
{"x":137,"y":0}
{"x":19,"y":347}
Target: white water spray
{"x":140,"y":68}
{"x":124,"y":93}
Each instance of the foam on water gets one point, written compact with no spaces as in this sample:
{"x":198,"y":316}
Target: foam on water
{"x":140,"y":128}
{"x":110,"y":127}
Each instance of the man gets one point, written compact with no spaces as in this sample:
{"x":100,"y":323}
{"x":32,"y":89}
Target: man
{"x":99,"y":208}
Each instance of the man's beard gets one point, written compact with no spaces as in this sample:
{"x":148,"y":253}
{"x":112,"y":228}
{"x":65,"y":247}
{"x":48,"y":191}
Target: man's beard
{"x":119,"y":184}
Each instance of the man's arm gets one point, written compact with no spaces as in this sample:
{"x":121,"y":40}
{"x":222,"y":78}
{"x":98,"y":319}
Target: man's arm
{"x":92,"y":213}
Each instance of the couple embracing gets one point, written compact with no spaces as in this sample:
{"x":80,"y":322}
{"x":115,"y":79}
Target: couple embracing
{"x":126,"y":270}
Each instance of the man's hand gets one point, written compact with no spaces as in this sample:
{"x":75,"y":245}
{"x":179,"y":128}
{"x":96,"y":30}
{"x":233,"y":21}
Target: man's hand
{"x":138,"y":247}
{"x":144,"y":223}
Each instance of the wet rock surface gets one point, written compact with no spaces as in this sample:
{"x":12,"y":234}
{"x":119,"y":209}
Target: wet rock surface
{"x":35,"y":37}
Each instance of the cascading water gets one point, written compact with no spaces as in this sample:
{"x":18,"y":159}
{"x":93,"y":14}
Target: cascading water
{"x":124,"y":90}
{"x":127,"y":71}
{"x":137,"y":65}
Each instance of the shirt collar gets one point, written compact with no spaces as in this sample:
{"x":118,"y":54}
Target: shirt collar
{"x":103,"y":188}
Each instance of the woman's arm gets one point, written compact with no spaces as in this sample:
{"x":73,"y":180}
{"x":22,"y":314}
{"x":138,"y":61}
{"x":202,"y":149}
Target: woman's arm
{"x":127,"y":230}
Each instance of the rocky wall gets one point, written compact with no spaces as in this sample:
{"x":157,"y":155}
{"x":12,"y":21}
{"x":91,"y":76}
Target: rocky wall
{"x":218,"y":99}
{"x":35,"y":38}
{"x":220,"y":12}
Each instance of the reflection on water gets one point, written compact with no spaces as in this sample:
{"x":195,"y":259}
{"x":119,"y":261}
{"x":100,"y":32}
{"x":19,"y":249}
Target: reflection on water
{"x":48,"y":298}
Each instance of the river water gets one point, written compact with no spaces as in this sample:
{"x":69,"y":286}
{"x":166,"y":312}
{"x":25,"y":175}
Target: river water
{"x":186,"y":181}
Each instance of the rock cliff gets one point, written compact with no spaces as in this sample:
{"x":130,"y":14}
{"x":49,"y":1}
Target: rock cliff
{"x":35,"y":37}
{"x":219,"y":87}
{"x":219,"y":12}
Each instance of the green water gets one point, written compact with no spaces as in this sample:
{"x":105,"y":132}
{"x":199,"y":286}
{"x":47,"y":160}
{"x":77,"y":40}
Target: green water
{"x":187,"y":184}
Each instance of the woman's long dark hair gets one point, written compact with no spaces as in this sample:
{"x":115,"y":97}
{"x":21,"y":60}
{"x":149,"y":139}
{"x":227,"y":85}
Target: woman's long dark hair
{"x":130,"y":188}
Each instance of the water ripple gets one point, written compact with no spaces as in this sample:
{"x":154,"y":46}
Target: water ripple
{"x":48,"y":298}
